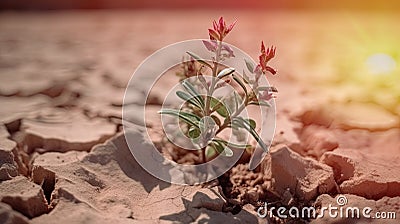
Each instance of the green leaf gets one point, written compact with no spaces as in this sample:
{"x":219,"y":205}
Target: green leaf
{"x":218,"y":105}
{"x":251,"y":122}
{"x":210,"y":151}
{"x":240,"y":83}
{"x":188,"y":118}
{"x":191,"y":115}
{"x":225,"y":72}
{"x":192,"y":91}
{"x":218,"y":147}
{"x":194,"y":132}
{"x":249,"y":65}
{"x":184,"y":96}
{"x":198,"y":58}
{"x":221,"y":148}
{"x":227,"y":152}
{"x":240,"y":146}
{"x":187,"y":98}
{"x":241,"y":122}
{"x":203,"y":81}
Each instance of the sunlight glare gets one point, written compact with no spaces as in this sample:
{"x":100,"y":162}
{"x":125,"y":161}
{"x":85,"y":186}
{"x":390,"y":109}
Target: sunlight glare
{"x":380,"y":63}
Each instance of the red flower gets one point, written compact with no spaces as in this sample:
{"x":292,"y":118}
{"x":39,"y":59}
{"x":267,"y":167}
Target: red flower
{"x":265,"y":57}
{"x":220,"y":29}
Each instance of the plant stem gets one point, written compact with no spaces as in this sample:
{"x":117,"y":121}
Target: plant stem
{"x":234,"y":114}
{"x":203,"y":154}
{"x":210,"y":91}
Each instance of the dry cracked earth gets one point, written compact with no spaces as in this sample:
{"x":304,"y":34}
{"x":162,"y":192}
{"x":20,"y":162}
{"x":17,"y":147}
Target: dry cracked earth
{"x":64,"y":159}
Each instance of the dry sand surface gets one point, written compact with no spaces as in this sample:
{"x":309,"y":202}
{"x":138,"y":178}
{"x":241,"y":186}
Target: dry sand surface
{"x":64,"y":159}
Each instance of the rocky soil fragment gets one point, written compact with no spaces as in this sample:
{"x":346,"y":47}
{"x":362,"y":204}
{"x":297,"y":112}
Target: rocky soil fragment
{"x":10,"y":160}
{"x":8,"y":165}
{"x":304,"y":178}
{"x":208,"y":206}
{"x":3,"y":132}
{"x":10,"y":216}
{"x":86,"y":181}
{"x":246,"y":186}
{"x":45,"y":166}
{"x":23,"y":196}
{"x":59,"y":130}
{"x":85,"y":189}
{"x":368,"y":175}
{"x":208,"y":198}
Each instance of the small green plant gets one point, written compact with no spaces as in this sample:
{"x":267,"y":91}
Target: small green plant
{"x":204,"y":115}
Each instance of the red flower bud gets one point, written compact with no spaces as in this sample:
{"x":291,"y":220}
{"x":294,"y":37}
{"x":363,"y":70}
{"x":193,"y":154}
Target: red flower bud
{"x":265,"y":57}
{"x":220,"y":29}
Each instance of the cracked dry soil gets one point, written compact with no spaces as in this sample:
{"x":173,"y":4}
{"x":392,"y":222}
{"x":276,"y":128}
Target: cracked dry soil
{"x":64,"y":159}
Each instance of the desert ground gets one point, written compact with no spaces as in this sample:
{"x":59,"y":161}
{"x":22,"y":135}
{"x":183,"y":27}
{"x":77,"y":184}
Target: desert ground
{"x":63,"y":154}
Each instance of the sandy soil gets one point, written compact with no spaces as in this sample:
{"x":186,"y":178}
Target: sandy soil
{"x":64,"y":159}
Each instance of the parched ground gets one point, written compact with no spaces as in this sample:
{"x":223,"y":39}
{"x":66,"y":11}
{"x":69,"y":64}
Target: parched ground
{"x":64,"y":159}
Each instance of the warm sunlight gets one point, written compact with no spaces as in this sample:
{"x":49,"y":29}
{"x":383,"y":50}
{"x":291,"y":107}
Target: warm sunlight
{"x":380,"y":63}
